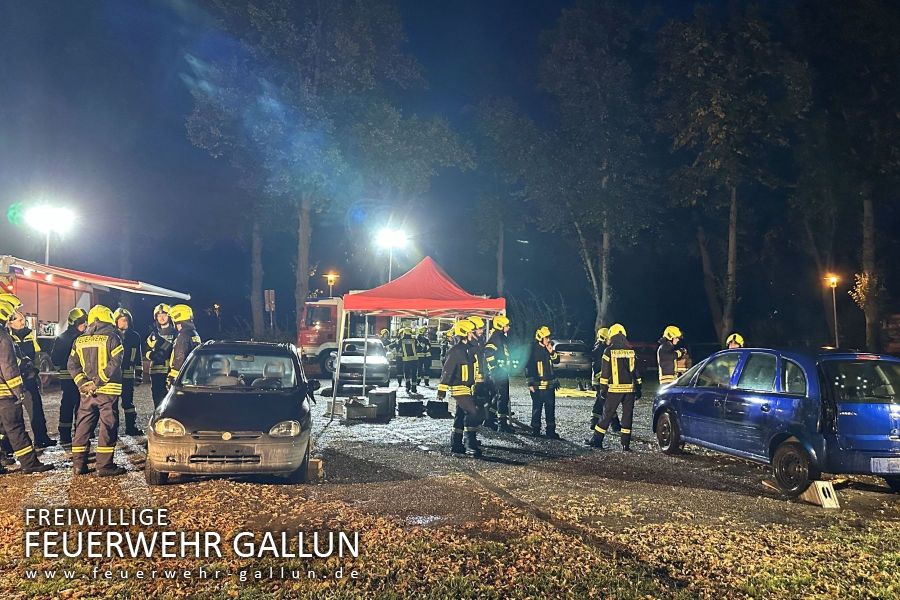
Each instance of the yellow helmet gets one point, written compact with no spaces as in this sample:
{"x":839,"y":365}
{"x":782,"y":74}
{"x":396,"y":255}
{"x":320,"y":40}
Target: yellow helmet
{"x":500,"y":321}
{"x":180,"y":313}
{"x":736,"y":338}
{"x":7,"y":310}
{"x":450,"y":332}
{"x":463,"y":328}
{"x":385,"y":332}
{"x":423,"y":330}
{"x":671,"y":332}
{"x":542,"y":332}
{"x":161,"y":308}
{"x":76,"y":316}
{"x":617,"y":329}
{"x":603,"y":334}
{"x":477,"y":321}
{"x":100,"y":313}
{"x":122,"y":312}
{"x":11,"y":299}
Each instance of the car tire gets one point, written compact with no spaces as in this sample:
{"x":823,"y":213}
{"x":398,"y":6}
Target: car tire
{"x":893,"y":483}
{"x":301,"y":474}
{"x":326,"y":363}
{"x":668,"y":434}
{"x":45,"y":365}
{"x":792,"y":468}
{"x":154,"y":477}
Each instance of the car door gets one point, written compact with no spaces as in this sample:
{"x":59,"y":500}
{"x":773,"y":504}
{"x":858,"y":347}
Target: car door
{"x":748,"y":406}
{"x":702,"y":406}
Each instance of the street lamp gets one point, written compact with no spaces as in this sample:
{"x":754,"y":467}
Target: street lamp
{"x":47,"y":220}
{"x":391,"y":238}
{"x":330,"y":278}
{"x":832,"y":281}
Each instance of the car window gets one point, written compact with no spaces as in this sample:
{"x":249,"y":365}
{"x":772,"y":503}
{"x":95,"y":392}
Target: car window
{"x":758,"y":374}
{"x":356,"y":348}
{"x":237,"y":371}
{"x":793,"y":379}
{"x":571,"y":348}
{"x":686,"y":378}
{"x":718,"y":371}
{"x":864,"y":381}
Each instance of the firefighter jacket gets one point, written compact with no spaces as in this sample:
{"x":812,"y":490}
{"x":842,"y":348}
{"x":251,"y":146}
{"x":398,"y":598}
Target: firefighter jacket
{"x":62,"y":348}
{"x":159,"y":347}
{"x":666,"y":356}
{"x":476,"y":348}
{"x":539,"y":368}
{"x":11,"y":384}
{"x":409,"y":351}
{"x":27,"y":348}
{"x":597,"y":361}
{"x":496,"y":355}
{"x":97,"y":356}
{"x":132,"y":364}
{"x":458,"y":375}
{"x":185,"y":342}
{"x":423,"y":345}
{"x":618,"y":368}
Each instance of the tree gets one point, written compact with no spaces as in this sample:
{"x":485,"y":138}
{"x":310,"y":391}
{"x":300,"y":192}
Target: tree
{"x":729,"y":95}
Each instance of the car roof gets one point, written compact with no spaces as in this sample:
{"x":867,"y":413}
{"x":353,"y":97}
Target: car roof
{"x":247,"y":346}
{"x":370,"y":339}
{"x":809,"y":357}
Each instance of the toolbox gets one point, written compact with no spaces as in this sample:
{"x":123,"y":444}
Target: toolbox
{"x":386,"y":401}
{"x":412,"y":408}
{"x":357,"y":411}
{"x":437,"y":409}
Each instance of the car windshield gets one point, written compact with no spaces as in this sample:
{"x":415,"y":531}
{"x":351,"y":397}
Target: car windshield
{"x":870,"y":381}
{"x":356,"y":348}
{"x":240,"y":371}
{"x":571,"y":348}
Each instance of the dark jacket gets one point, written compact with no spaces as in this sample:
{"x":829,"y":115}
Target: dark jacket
{"x":11,"y":383}
{"x":62,"y":348}
{"x":409,"y":351}
{"x":458,"y":375}
{"x":27,"y":347}
{"x":159,"y":347}
{"x":666,"y":356}
{"x":97,"y":356}
{"x":476,"y":349}
{"x":618,"y":370}
{"x":496,"y":355}
{"x":539,"y":368}
{"x":597,"y":360}
{"x":132,"y":365}
{"x":186,"y":340}
{"x":423,"y":345}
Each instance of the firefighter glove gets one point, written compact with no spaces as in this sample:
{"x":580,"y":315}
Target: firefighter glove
{"x":88,"y":388}
{"x":441,"y":394}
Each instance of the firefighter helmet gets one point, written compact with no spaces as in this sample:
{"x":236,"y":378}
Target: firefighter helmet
{"x":76,"y":316}
{"x":100,"y":313}
{"x":180,"y":313}
{"x":617,"y":329}
{"x":463,"y":328}
{"x":671,"y":332}
{"x":735,"y":338}
{"x":477,"y":321}
{"x":423,"y":330}
{"x":385,"y":332}
{"x":161,"y":308}
{"x":603,"y":334}
{"x":7,"y":310}
{"x":500,"y":321}
{"x":122,"y":312}
{"x":542,"y":332}
{"x":11,"y":299}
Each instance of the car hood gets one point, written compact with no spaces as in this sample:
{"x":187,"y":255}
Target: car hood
{"x":358,"y":360}
{"x":235,"y":411}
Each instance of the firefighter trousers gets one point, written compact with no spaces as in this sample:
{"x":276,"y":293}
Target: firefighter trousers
{"x":543,"y":401}
{"x":501,"y":399}
{"x":613,"y":400}
{"x":35,"y":409}
{"x":12,"y":419}
{"x":597,"y":413}
{"x":468,"y":418}
{"x":410,"y":374}
{"x":128,"y":404}
{"x":68,"y":407}
{"x":158,"y":388}
{"x":485,"y":396}
{"x":105,"y":409}
{"x":425,"y":369}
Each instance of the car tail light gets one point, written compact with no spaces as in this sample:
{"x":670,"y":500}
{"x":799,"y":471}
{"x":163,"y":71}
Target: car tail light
{"x":168,"y":428}
{"x":285,"y":429}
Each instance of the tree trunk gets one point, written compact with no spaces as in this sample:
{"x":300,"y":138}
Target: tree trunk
{"x":605,"y":288}
{"x":870,"y":308}
{"x":256,"y":280}
{"x":823,"y":267}
{"x":710,"y":283}
{"x":500,"y":249}
{"x":304,"y":239}
{"x":730,"y":291}
{"x":584,"y":250}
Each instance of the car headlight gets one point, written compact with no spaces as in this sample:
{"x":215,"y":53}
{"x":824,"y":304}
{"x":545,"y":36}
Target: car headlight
{"x":285,"y":429}
{"x":168,"y":427}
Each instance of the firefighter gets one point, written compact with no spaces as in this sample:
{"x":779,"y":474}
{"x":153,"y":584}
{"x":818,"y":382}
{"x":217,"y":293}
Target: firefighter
{"x":59,"y":356}
{"x":668,"y":354}
{"x":620,"y":383}
{"x":159,"y":351}
{"x":484,"y":386}
{"x":458,"y":378}
{"x":734,"y":341}
{"x":132,"y":367}
{"x":186,"y":340}
{"x":596,"y":366}
{"x":95,"y":364}
{"x":499,"y":365}
{"x":409,"y":358}
{"x":424,"y":353}
{"x":27,"y":347}
{"x":385,"y":335}
{"x":13,"y":395}
{"x":542,"y":382}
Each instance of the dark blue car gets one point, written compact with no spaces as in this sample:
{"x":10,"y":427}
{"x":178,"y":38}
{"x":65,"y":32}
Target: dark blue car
{"x":802,"y":413}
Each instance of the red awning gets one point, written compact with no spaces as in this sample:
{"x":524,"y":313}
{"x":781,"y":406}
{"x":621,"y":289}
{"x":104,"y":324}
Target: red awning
{"x":424,"y":290}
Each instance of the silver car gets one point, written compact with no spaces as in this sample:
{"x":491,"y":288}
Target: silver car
{"x":574,"y":356}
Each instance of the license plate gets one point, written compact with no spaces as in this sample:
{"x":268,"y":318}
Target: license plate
{"x":885,"y":465}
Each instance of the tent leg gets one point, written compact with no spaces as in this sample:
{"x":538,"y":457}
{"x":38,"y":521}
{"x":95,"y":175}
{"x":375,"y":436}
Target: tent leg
{"x":365,"y":352}
{"x":337,"y":366}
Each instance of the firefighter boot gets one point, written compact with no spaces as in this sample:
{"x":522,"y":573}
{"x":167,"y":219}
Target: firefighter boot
{"x":131,"y":427}
{"x":626,"y":441}
{"x":456,"y":443}
{"x":31,"y":464}
{"x":594,"y":421}
{"x":473,"y":444}
{"x":596,"y":440}
{"x":505,"y":427}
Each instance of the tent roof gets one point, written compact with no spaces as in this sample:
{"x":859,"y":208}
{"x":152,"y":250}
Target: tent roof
{"x":424,"y":290}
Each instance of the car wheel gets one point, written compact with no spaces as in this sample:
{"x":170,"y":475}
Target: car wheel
{"x":45,"y":365}
{"x":792,"y":468}
{"x":893,"y":483}
{"x":667,"y":433}
{"x":154,"y":477}
{"x":301,"y":474}
{"x":326,"y":363}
